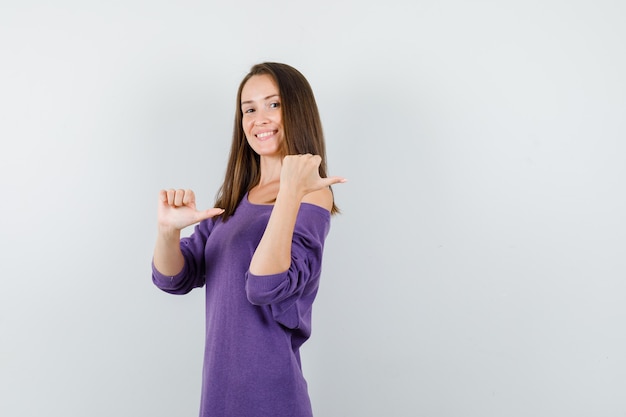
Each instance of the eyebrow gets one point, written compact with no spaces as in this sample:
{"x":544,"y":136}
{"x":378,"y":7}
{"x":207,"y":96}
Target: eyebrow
{"x":266,"y":98}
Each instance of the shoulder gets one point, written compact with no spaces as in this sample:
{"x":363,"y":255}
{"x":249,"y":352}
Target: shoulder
{"x":322,"y":198}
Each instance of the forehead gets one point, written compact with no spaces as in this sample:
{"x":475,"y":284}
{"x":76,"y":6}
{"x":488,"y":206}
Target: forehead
{"x":259,"y":87}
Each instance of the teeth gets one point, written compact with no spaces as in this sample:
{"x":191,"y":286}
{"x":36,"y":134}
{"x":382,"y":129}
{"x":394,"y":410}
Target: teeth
{"x":264,"y":134}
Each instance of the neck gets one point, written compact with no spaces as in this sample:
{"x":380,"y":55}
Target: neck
{"x":270,"y":169}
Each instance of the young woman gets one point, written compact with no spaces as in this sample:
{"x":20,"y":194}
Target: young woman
{"x":259,"y":254}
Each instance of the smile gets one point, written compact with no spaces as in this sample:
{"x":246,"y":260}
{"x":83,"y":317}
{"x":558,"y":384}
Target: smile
{"x":265,"y":135}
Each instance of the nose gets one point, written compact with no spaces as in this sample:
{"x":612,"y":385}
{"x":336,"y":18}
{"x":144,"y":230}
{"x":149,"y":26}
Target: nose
{"x":261,"y":118}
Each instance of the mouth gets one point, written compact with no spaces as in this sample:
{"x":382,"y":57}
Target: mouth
{"x":265,"y":135}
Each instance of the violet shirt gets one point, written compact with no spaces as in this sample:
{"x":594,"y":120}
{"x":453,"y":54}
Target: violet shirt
{"x":255,"y":325}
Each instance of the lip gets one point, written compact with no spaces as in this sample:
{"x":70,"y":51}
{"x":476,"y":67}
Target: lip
{"x":265,"y":135}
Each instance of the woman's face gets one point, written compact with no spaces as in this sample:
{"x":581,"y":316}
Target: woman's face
{"x":262,"y":115}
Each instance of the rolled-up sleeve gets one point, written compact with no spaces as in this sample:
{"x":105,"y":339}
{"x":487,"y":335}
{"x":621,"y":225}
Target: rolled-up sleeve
{"x":193,"y":273}
{"x":290,"y":294}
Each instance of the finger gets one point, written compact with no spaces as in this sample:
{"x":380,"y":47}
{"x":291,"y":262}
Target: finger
{"x":189,"y":197}
{"x":170,"y":196}
{"x":333,"y":180}
{"x":163,"y":196}
{"x":313,"y":161}
{"x":207,"y":214}
{"x":178,"y":198}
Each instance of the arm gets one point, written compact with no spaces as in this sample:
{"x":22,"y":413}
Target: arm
{"x":168,"y":258}
{"x":291,"y":293}
{"x":299,"y":181}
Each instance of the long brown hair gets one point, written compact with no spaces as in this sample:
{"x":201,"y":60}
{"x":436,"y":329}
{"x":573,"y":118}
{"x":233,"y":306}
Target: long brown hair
{"x":303,"y":134}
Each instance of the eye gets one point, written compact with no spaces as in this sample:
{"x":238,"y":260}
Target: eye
{"x":274,"y":105}
{"x":248,"y":110}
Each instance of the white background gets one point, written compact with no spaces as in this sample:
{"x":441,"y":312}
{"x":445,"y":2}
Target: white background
{"x":478,"y":268}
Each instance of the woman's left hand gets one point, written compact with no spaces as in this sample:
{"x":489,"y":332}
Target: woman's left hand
{"x":300,"y":175}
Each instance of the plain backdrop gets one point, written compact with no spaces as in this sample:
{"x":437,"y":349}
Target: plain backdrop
{"x":478,"y":268}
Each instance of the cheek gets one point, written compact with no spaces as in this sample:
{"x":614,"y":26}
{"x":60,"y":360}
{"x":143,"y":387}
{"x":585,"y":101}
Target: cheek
{"x":246,"y":126}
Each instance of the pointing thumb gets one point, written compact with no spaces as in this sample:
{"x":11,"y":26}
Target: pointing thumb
{"x":207,"y":214}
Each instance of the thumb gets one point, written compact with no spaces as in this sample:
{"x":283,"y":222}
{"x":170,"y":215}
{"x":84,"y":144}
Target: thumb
{"x":333,"y":180}
{"x":207,"y":214}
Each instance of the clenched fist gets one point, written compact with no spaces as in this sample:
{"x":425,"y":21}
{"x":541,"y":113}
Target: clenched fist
{"x":300,"y":174}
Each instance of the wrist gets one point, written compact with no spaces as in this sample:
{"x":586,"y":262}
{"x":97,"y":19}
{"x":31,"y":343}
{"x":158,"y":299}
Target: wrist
{"x":289,"y":194}
{"x":168,"y":232}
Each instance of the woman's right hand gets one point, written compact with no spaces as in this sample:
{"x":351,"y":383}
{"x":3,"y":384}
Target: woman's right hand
{"x":177,"y":210}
